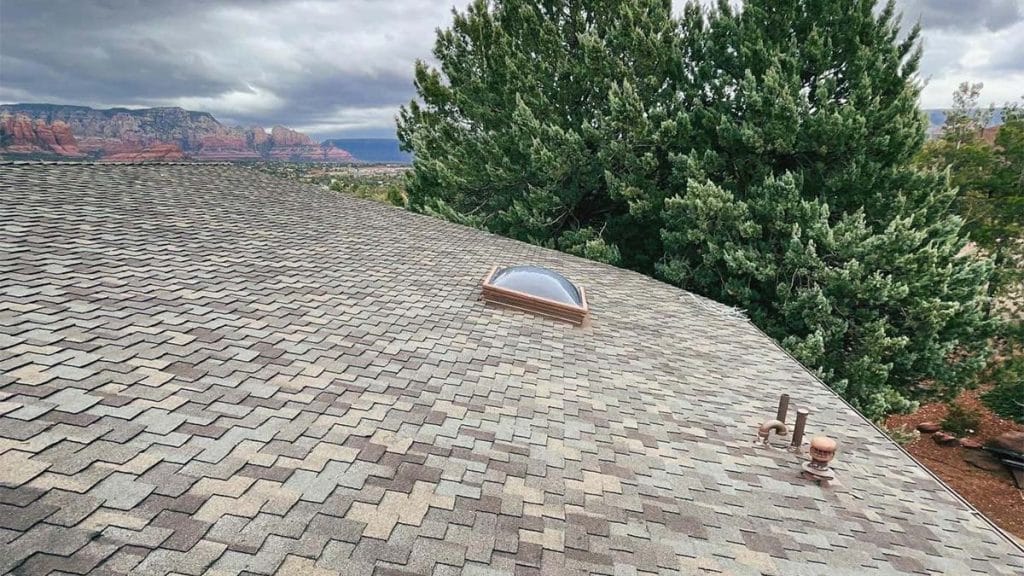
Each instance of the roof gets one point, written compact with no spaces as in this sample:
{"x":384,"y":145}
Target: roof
{"x":207,"y":368}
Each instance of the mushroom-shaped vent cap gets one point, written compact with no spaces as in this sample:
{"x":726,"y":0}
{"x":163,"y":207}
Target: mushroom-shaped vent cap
{"x":537,"y":281}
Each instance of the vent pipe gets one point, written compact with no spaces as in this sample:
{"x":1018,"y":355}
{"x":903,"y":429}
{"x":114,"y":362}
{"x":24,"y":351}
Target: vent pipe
{"x":798,"y":429}
{"x":765,"y":430}
{"x":783,"y":408}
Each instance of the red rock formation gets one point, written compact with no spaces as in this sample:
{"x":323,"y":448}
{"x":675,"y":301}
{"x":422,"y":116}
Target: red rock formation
{"x":257,"y":137}
{"x":65,"y":140}
{"x":126,"y":135}
{"x":288,"y":145}
{"x":108,"y":146}
{"x":231,"y":141}
{"x":225,"y":147}
{"x":332,"y":153}
{"x":22,"y":135}
{"x":152,"y":153}
{"x":282,"y":136}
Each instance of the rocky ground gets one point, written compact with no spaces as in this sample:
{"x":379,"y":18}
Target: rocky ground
{"x":973,"y":473}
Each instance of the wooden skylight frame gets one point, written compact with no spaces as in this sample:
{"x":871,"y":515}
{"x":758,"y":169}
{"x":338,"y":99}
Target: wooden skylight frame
{"x":536,"y":304}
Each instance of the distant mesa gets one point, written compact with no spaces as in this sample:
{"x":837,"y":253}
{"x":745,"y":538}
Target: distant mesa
{"x":57,"y":131}
{"x":149,"y":134}
{"x":375,"y":150}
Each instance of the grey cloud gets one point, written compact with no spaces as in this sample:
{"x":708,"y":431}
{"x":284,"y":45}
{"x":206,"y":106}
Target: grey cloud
{"x":964,"y":15}
{"x":335,"y":67}
{"x":251,"y":62}
{"x":1009,"y":58}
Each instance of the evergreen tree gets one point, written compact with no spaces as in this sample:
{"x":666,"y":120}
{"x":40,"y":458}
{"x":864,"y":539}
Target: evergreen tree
{"x":988,"y":174}
{"x":802,"y":206}
{"x":826,"y":90}
{"x":1004,"y":229}
{"x":884,"y":317}
{"x":509,"y":133}
{"x":971,"y":160}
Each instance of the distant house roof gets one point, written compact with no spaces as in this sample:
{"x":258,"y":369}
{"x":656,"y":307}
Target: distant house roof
{"x":207,"y":368}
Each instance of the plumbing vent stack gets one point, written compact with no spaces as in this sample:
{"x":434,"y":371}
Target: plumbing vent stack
{"x":798,"y":429}
{"x":783,"y":408}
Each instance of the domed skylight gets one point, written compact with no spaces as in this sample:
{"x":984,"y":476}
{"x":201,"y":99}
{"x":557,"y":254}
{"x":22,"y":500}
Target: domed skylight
{"x":539,"y":282}
{"x":538,"y":290}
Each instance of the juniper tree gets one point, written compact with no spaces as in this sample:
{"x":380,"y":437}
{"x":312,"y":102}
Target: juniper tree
{"x":972,"y":163}
{"x":826,"y":90}
{"x":988,"y":174}
{"x":508,"y":132}
{"x":883,"y":317}
{"x":800,"y":204}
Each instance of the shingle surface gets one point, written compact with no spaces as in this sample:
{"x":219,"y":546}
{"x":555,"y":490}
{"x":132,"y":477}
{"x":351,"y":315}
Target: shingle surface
{"x":208,"y":369}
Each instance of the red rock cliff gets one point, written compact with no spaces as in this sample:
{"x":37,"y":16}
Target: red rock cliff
{"x":19,"y":134}
{"x":126,"y":134}
{"x":283,"y":137}
{"x":151,"y":153}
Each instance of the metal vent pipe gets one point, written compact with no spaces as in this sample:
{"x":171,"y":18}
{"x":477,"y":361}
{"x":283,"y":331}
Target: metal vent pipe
{"x":783,"y":408}
{"x":798,"y":429}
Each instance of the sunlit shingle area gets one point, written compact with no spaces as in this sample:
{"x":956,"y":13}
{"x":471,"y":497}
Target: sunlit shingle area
{"x":207,"y":369}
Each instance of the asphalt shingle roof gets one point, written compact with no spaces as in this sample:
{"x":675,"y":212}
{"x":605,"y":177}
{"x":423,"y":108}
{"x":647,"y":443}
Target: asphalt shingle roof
{"x":210,"y":369}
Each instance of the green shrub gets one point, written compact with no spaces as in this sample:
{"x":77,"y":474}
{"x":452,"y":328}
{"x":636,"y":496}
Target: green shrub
{"x":395,"y":196}
{"x":1007,"y":397}
{"x":961,"y":421}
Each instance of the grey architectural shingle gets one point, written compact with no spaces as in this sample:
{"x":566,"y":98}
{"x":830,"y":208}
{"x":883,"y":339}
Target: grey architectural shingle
{"x":206,"y":368}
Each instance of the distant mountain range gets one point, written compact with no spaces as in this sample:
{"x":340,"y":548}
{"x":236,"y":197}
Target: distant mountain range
{"x":120,"y":134}
{"x":375,"y":150}
{"x":54,"y":131}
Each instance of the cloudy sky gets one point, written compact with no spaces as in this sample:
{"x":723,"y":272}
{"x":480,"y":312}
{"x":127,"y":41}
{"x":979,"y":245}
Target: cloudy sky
{"x":342,"y":68}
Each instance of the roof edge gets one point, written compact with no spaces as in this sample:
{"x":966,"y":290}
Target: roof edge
{"x":1006,"y":535}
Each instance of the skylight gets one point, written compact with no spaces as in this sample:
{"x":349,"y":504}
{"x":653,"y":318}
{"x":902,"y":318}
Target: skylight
{"x":536,"y":289}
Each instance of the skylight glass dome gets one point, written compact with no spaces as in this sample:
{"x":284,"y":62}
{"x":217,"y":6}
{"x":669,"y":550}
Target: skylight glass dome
{"x":539,"y":282}
{"x":538,"y":290}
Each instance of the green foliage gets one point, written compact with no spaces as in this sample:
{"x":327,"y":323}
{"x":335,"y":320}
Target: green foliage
{"x":989,"y":177}
{"x":1005,"y":217}
{"x":368,"y":183}
{"x":535,"y":110}
{"x":722,"y":154}
{"x":826,"y":90}
{"x":855,"y":305}
{"x":395,"y":196}
{"x":960,"y":421}
{"x":1006,"y":398}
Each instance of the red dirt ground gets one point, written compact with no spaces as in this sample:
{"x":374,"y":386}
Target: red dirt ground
{"x":993,"y":493}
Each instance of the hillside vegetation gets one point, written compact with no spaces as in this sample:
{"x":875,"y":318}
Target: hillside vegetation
{"x":987,"y":167}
